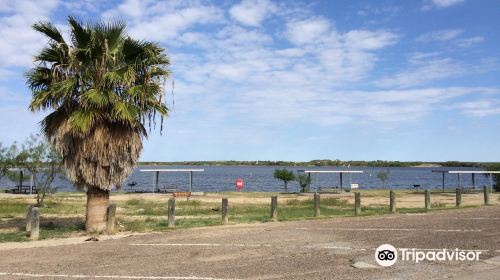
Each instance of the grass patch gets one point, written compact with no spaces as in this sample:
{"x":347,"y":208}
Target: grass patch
{"x":62,"y":214}
{"x":13,"y":237}
{"x":58,"y":230}
{"x":13,"y":208}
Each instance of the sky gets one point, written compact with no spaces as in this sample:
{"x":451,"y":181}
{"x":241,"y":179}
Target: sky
{"x":295,"y":80}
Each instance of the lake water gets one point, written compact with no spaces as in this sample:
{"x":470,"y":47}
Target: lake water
{"x":256,"y":178}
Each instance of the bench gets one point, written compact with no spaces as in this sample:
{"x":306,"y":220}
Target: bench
{"x":181,"y":194}
{"x":352,"y":187}
{"x":335,"y":189}
{"x":470,"y":189}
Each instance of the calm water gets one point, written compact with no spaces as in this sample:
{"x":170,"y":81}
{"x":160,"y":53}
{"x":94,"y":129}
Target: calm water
{"x":222,"y":178}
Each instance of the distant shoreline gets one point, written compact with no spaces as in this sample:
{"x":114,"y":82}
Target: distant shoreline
{"x":328,"y":163}
{"x":428,"y":165}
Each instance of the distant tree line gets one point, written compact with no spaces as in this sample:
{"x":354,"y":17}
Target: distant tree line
{"x":322,"y":162}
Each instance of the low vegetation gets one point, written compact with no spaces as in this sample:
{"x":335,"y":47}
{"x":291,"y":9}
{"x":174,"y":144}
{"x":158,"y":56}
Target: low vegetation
{"x":63,"y":213}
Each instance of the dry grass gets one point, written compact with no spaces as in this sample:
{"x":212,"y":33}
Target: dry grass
{"x":63,"y":213}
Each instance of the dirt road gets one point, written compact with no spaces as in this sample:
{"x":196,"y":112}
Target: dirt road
{"x":313,"y":249}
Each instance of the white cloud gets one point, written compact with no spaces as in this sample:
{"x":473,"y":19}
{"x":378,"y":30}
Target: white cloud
{"x":470,"y":42}
{"x":243,"y":77}
{"x":440,"y":4}
{"x":301,"y":72}
{"x":168,"y":26}
{"x":308,"y":31}
{"x":387,"y":11}
{"x":440,"y":35}
{"x":164,"y":21}
{"x":480,"y":108}
{"x":369,"y":40}
{"x":269,"y":105}
{"x":19,"y":41}
{"x":423,"y":71}
{"x":446,"y":3}
{"x":252,"y":12}
{"x":450,"y":36}
{"x":425,"y":68}
{"x":131,"y":8}
{"x":83,"y":8}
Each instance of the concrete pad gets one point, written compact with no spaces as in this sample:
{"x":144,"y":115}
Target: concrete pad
{"x":363,"y":265}
{"x":494,"y":260}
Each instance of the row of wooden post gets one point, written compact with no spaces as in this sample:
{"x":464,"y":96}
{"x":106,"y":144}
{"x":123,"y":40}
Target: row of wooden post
{"x":316,"y":202}
{"x":33,"y":213}
{"x":33,"y":221}
{"x":458,"y":199}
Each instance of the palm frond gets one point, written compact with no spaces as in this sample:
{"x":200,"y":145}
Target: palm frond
{"x":49,"y":54}
{"x":80,"y":36}
{"x":82,"y":120}
{"x":99,"y":98}
{"x":49,"y":30}
{"x":126,"y":113}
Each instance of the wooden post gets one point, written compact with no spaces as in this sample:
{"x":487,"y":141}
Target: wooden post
{"x":32,"y":180}
{"x":190,"y":181}
{"x":491,"y":183}
{"x":171,"y":212}
{"x":316,"y":204}
{"x":341,"y":182}
{"x":35,"y":223}
{"x":486,"y":195}
{"x":21,"y":177}
{"x":274,"y":207}
{"x":392,"y":202}
{"x":309,"y":180}
{"x":357,"y":203}
{"x":443,"y":181}
{"x":427,"y":200}
{"x":157,"y":177}
{"x":225,"y":219}
{"x":458,"y":197}
{"x":29,"y":217}
{"x":111,"y":218}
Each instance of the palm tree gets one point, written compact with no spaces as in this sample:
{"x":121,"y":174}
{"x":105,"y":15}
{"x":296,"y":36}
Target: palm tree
{"x":102,"y":90}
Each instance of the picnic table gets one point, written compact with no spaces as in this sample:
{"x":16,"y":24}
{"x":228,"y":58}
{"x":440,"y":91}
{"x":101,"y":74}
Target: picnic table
{"x":20,"y":189}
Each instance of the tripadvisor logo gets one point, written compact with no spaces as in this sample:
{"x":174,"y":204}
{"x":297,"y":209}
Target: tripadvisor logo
{"x":387,"y":255}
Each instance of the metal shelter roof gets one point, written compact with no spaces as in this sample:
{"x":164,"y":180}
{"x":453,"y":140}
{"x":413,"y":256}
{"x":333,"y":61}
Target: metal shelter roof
{"x":157,"y":175}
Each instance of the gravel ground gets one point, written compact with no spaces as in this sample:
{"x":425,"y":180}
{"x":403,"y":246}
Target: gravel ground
{"x":313,"y":249}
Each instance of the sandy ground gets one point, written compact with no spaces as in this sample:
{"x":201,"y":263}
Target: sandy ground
{"x":313,"y":249}
{"x":404,"y":199}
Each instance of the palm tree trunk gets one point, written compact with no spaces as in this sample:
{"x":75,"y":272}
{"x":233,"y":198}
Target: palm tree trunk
{"x":97,"y":207}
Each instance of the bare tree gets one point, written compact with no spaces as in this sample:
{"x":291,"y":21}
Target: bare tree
{"x":43,"y":162}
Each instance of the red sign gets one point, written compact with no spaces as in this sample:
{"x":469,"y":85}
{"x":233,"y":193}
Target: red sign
{"x":239,"y":183}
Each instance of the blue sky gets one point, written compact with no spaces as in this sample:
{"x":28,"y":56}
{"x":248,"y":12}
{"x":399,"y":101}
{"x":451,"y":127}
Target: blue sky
{"x":292,"y":80}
